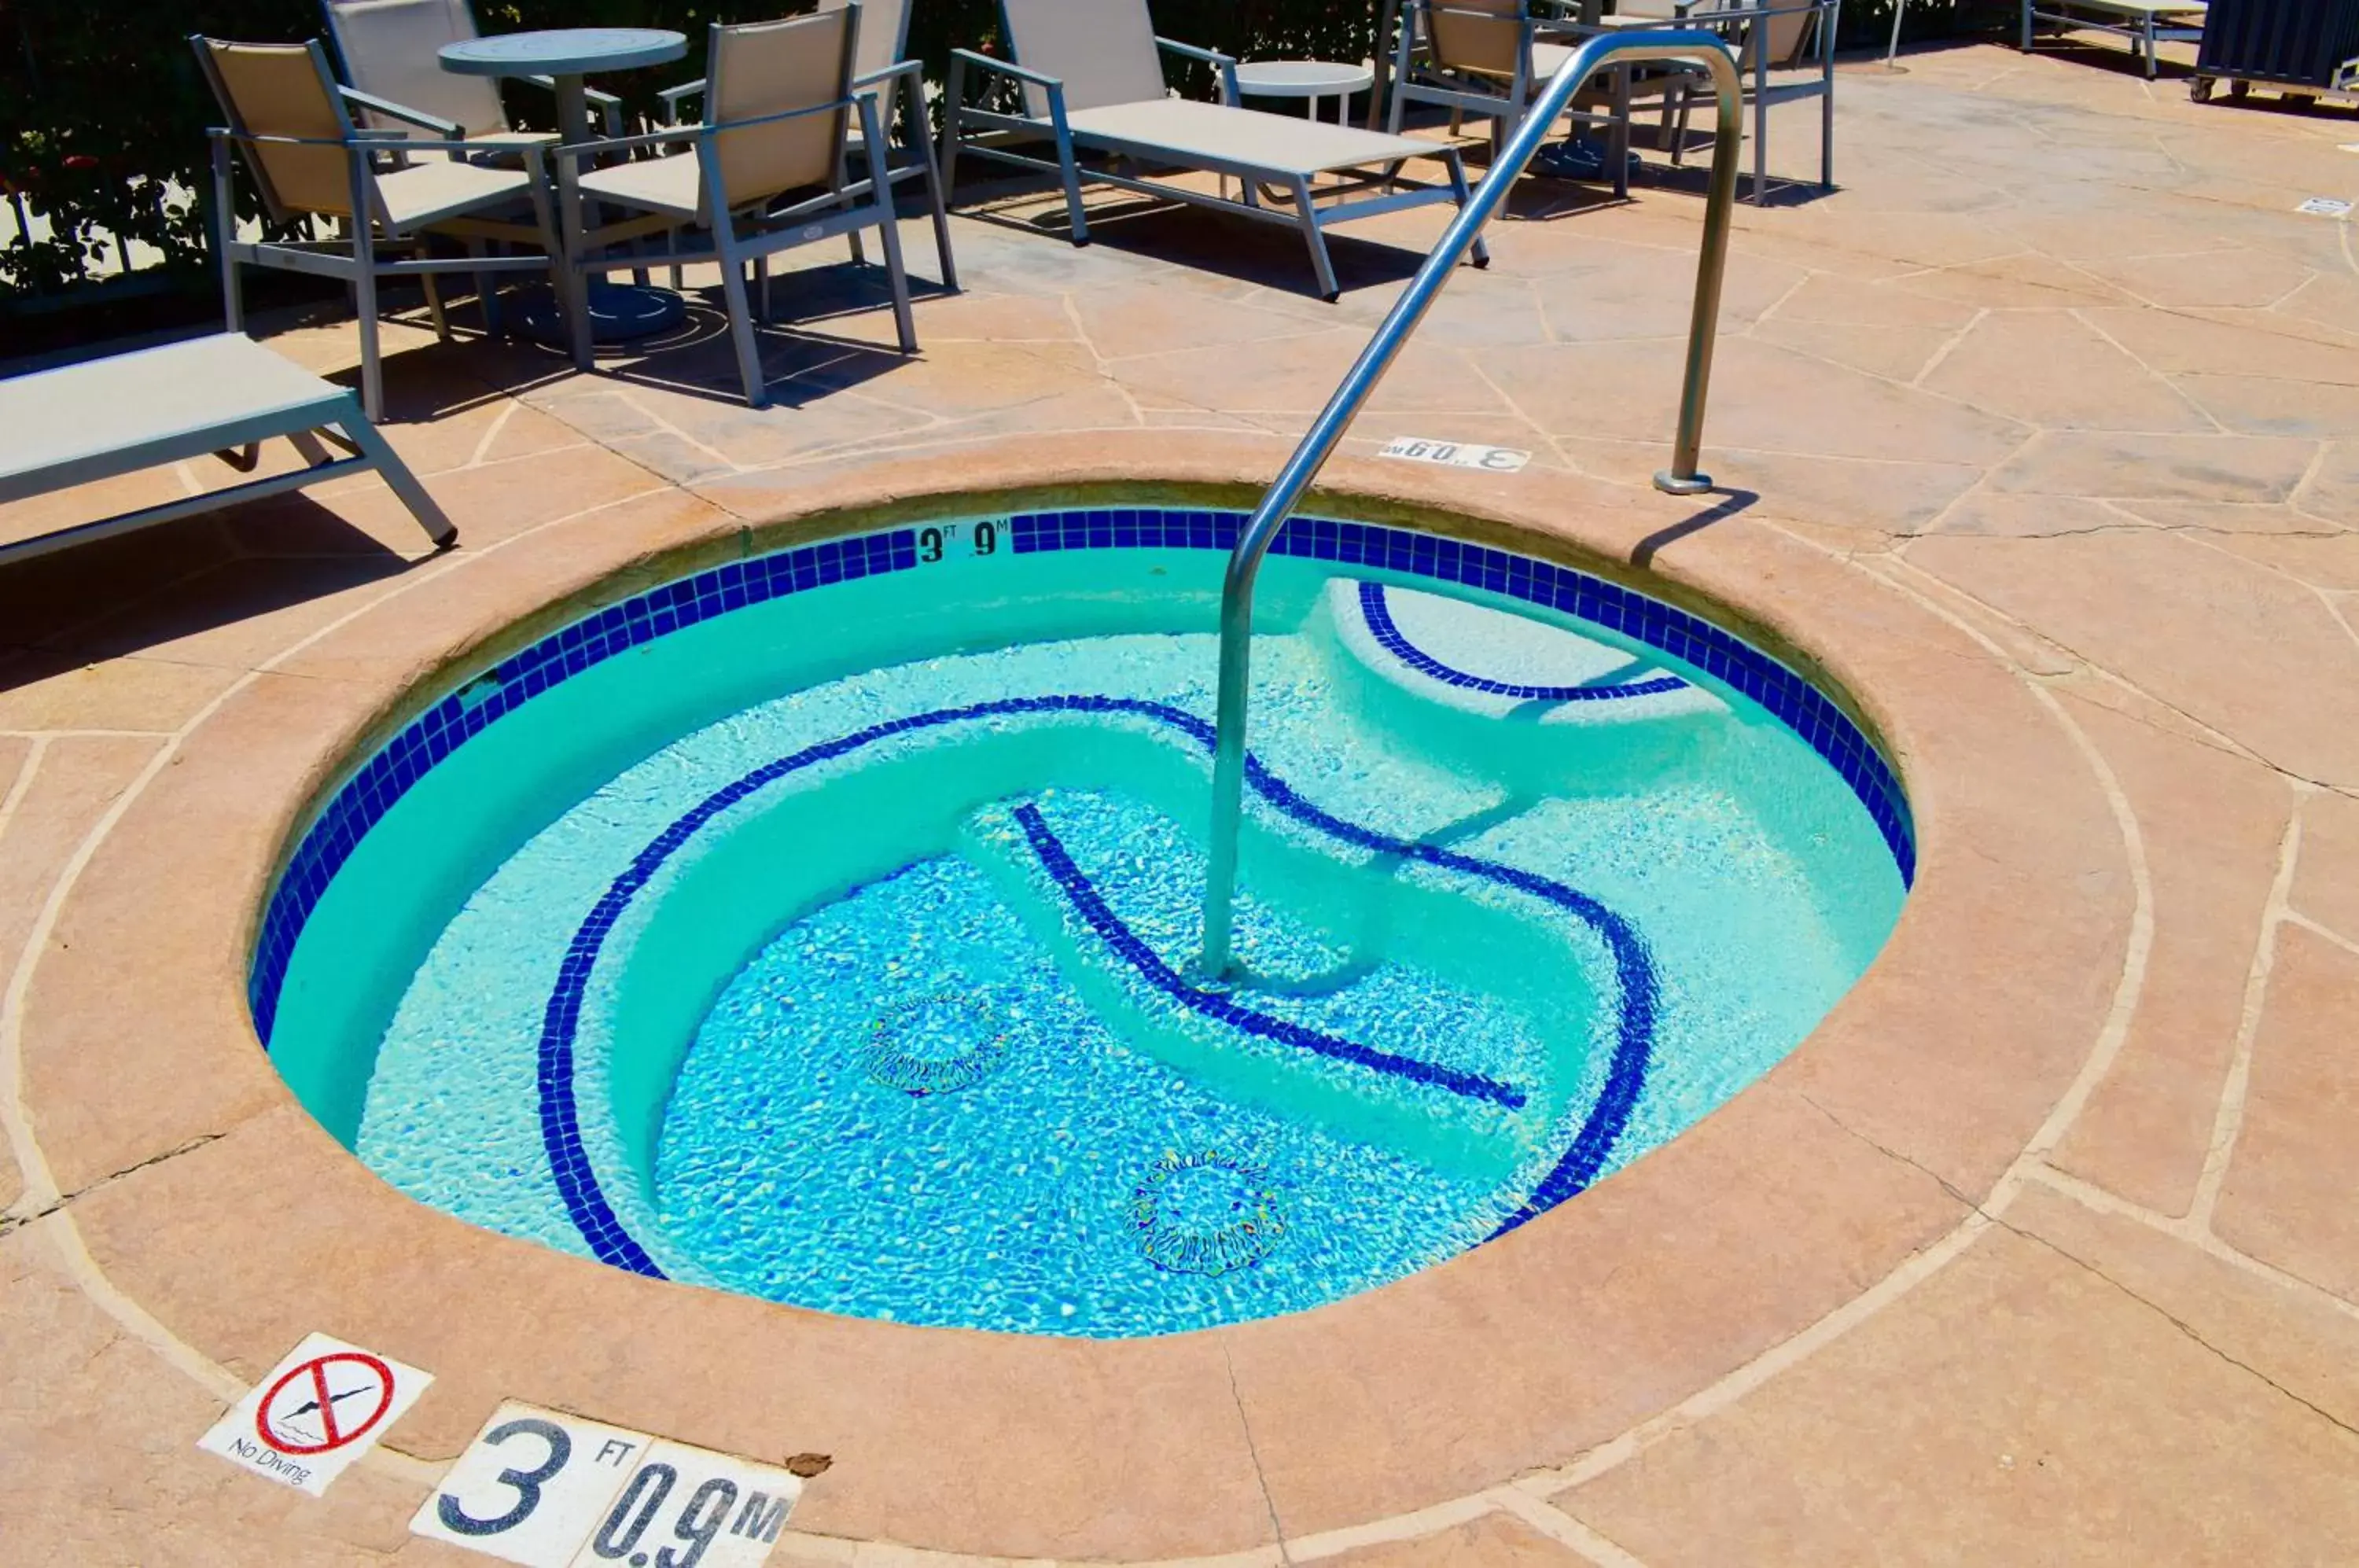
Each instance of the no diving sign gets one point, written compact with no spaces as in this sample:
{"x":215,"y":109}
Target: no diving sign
{"x":319,"y":1409}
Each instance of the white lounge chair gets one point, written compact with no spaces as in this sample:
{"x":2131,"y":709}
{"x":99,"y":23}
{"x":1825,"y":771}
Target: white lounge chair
{"x":287,"y":118}
{"x":765,"y":173}
{"x":1092,"y":77}
{"x":223,"y":395}
{"x":2145,"y":23}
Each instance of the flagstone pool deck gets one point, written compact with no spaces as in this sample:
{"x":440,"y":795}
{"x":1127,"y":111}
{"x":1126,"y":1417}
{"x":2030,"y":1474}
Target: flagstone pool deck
{"x":2039,"y":438}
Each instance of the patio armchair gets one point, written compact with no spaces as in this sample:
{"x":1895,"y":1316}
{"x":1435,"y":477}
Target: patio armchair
{"x":883,"y":66}
{"x":1491,"y":59}
{"x":1775,"y":35}
{"x":1088,"y":75}
{"x":391,"y":49}
{"x":289,"y":119}
{"x":764,"y":173}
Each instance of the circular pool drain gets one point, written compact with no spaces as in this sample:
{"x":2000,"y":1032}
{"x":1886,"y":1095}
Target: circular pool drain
{"x":932,"y":1045}
{"x":1207,"y":1213}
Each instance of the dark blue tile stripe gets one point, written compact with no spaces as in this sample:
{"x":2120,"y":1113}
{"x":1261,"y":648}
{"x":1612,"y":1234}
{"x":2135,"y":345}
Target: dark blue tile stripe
{"x":577,"y":1183}
{"x":380,"y":782}
{"x":1091,"y":906}
{"x":1380,"y":617}
{"x":371,"y":792}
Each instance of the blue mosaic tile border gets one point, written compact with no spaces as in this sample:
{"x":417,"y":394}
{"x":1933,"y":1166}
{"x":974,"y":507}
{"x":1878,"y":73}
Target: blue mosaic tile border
{"x":577,"y":1180}
{"x":1378,"y":614}
{"x":1091,"y":904}
{"x":363,"y":799}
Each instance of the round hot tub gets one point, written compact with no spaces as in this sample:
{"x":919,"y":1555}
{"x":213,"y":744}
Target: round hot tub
{"x":826,"y":926}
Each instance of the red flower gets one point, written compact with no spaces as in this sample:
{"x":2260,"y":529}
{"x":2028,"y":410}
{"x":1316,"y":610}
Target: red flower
{"x":79,"y":160}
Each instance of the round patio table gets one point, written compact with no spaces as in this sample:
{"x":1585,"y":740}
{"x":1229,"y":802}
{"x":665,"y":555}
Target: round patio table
{"x":618,"y":312}
{"x":1311,"y":79}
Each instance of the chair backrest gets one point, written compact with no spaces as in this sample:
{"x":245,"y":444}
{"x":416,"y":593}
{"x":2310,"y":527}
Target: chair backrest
{"x":1785,"y":36}
{"x":884,"y":33}
{"x":759,"y":69}
{"x":284,"y":90}
{"x":391,"y":49}
{"x":1789,"y":32}
{"x":1103,"y":50}
{"x":1488,"y":38}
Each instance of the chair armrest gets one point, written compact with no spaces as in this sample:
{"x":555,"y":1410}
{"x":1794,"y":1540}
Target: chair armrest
{"x":603,"y":100}
{"x":1196,"y":51}
{"x":914,"y":68}
{"x":609,"y":107}
{"x":1010,"y":68}
{"x":1225,"y":64}
{"x":672,"y":96}
{"x":449,"y":130}
{"x":678,"y":133}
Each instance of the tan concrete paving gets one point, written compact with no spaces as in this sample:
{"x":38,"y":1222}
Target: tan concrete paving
{"x":2042,"y":431}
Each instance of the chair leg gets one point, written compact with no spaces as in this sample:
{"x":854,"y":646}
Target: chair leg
{"x":851,"y":236}
{"x":1329,"y":290}
{"x":1480,"y":252}
{"x":953,"y":100}
{"x":487,"y":292}
{"x":941,"y":223}
{"x":1761,"y":132}
{"x":895,"y":270}
{"x":1827,"y":137}
{"x":434,"y":306}
{"x":371,"y":365}
{"x":888,"y":223}
{"x":232,"y":296}
{"x":762,"y":282}
{"x":1618,"y":144}
{"x":224,"y":237}
{"x":740,"y":316}
{"x":1072,"y":170}
{"x":400,"y":481}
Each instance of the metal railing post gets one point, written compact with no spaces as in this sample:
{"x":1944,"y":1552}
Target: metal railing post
{"x":1680,"y":479}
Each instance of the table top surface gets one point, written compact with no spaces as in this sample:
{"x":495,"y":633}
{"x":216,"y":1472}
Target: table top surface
{"x":1271,"y":77}
{"x":565,"y":51}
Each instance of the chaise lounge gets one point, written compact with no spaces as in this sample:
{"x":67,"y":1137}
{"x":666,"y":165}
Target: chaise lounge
{"x":1090,"y":74}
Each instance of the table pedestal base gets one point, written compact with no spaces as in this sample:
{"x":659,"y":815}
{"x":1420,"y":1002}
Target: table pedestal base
{"x":619,"y":312}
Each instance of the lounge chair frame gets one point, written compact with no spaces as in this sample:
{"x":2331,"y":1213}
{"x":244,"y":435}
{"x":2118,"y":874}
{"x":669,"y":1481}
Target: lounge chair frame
{"x":138,"y":390}
{"x":2145,"y":23}
{"x":1301,"y":214}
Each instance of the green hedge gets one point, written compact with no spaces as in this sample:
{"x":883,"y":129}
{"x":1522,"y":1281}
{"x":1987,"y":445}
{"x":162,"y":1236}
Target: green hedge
{"x":102,"y":108}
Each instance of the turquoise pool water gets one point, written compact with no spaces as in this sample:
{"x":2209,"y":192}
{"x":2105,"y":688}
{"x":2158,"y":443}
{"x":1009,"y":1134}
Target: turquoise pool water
{"x":837,"y":946}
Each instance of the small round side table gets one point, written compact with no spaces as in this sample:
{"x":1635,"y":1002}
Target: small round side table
{"x":1310,"y":79}
{"x":618,"y":312}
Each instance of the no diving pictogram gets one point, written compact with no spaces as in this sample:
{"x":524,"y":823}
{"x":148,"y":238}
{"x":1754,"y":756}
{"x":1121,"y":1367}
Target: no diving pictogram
{"x":325,"y":1403}
{"x":315,"y":1412}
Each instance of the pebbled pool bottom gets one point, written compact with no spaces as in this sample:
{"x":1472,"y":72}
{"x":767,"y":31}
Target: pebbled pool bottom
{"x":902,"y":1107}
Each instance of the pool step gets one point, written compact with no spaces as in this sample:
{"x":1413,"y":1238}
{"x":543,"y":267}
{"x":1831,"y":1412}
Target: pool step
{"x":1378,"y":1050}
{"x":1505,"y":695}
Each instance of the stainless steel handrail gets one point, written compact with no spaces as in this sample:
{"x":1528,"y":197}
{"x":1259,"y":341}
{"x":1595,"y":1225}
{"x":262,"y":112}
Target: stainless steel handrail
{"x":1680,"y":479}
